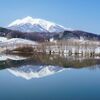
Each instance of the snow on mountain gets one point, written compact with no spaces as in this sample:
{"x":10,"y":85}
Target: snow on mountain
{"x":29,"y":71}
{"x":30,"y":24}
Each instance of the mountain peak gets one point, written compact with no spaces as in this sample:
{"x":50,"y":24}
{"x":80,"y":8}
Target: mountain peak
{"x":30,"y":20}
{"x":29,"y":24}
{"x":27,"y":19}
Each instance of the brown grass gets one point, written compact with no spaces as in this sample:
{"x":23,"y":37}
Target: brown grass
{"x":25,"y":49}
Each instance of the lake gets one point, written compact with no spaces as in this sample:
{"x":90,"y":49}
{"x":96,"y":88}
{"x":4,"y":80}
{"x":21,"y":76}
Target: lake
{"x":49,"y":77}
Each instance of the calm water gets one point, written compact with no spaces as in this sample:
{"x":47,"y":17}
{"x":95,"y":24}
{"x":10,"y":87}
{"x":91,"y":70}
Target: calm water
{"x":46,"y":77}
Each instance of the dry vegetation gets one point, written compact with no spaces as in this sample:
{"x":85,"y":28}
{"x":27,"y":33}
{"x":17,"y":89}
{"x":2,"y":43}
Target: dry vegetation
{"x":69,"y":47}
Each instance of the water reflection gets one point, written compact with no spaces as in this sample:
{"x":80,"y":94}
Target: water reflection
{"x":30,"y":71}
{"x":42,"y":65}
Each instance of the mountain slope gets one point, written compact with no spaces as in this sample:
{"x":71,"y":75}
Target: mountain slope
{"x":77,"y":34}
{"x":35,"y":36}
{"x":45,"y":36}
{"x":30,"y":24}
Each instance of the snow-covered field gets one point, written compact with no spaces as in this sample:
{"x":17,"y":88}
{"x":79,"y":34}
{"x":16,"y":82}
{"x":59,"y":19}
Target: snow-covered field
{"x":14,"y":43}
{"x":3,"y":39}
{"x":16,"y":40}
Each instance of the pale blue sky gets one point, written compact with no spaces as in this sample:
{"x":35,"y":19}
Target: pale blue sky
{"x":76,"y":14}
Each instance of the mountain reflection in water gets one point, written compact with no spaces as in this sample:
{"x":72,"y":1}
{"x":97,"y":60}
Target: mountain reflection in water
{"x":41,"y":65}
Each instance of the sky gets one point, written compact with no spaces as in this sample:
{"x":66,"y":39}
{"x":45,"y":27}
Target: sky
{"x":75,"y":14}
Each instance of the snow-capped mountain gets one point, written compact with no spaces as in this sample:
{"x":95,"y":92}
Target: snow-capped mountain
{"x":30,"y":24}
{"x":29,"y":71}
